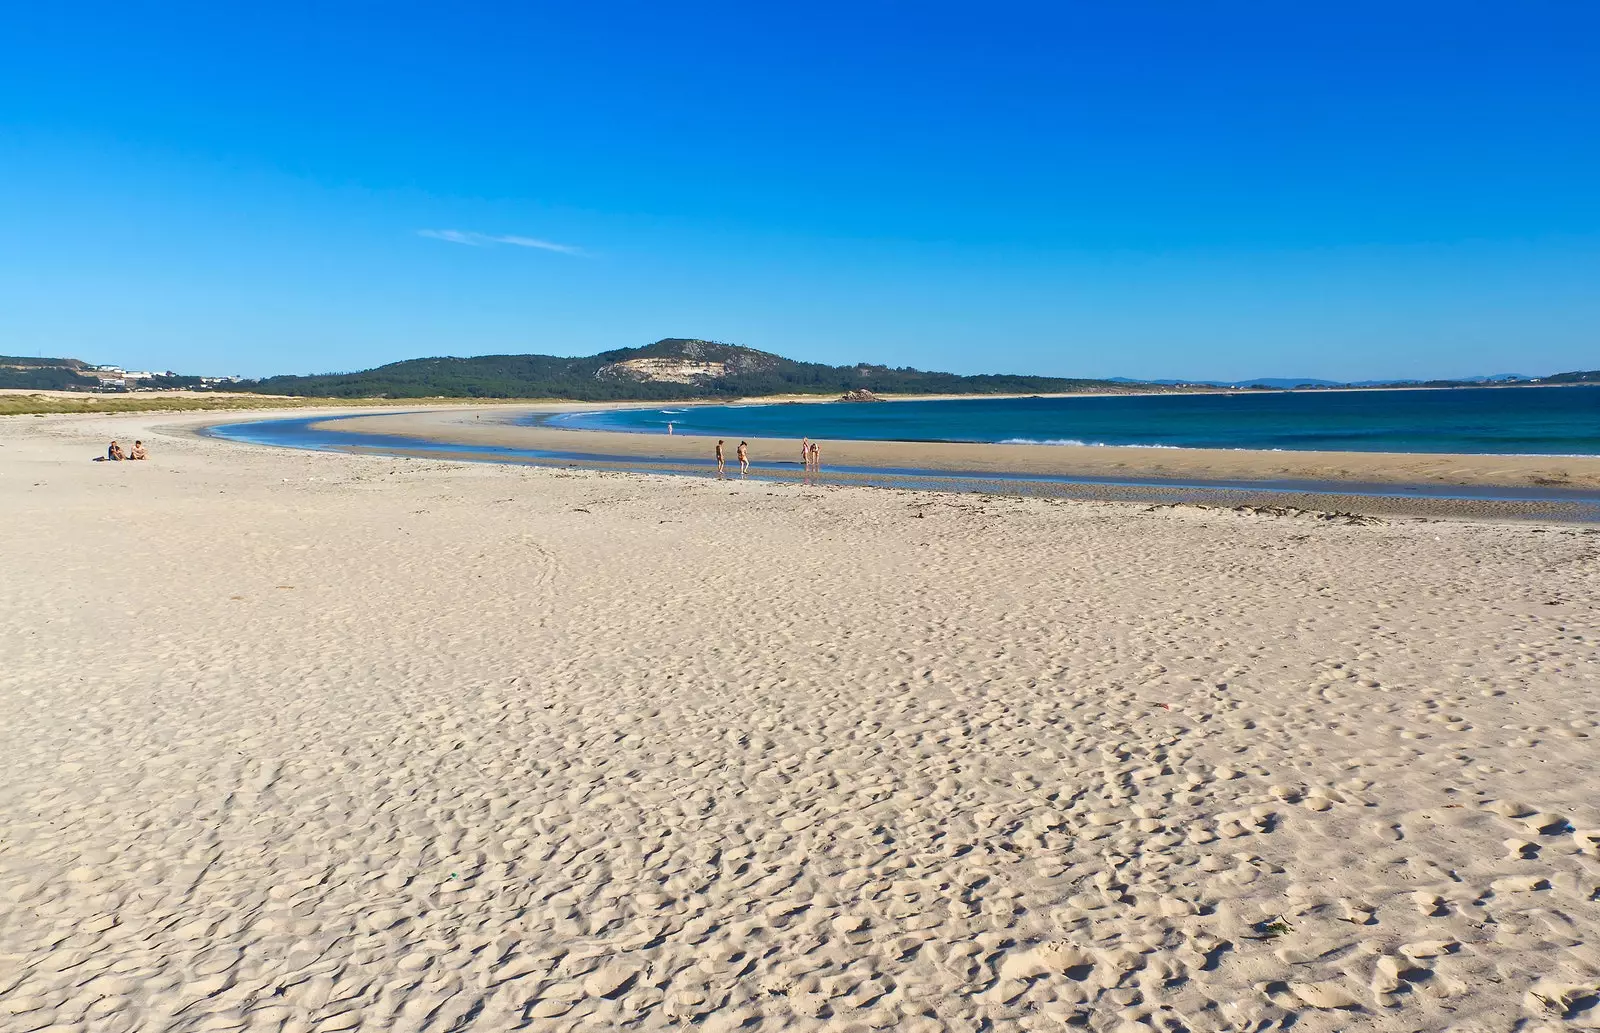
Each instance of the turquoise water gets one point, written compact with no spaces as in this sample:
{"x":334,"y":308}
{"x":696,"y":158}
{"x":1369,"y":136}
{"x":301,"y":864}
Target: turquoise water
{"x":1500,"y":421}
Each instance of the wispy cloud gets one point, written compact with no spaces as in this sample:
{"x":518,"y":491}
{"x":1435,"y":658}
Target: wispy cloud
{"x":490,"y":239}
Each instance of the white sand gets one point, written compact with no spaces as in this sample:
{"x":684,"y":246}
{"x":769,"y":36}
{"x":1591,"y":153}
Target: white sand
{"x":298,"y":741}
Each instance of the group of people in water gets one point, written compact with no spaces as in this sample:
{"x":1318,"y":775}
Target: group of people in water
{"x":115,"y":454}
{"x":744,"y":459}
{"x":810,"y":457}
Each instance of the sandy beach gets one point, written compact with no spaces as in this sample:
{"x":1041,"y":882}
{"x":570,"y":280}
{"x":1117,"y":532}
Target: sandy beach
{"x":315,"y":742}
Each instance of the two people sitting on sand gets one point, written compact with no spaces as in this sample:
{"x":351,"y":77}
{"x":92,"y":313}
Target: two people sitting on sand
{"x":115,"y":454}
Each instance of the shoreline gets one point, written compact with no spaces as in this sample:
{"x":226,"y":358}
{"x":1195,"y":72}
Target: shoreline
{"x":1391,"y":468}
{"x":1396,"y":484}
{"x":1562,"y":490}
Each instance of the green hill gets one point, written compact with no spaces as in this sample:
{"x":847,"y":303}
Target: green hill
{"x":1590,"y":376}
{"x":673,"y":368}
{"x":41,"y":374}
{"x":34,"y":362}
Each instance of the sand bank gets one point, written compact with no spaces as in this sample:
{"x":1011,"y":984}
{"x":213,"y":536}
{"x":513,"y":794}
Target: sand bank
{"x":1453,"y":486}
{"x":306,"y":741}
{"x":491,"y":428}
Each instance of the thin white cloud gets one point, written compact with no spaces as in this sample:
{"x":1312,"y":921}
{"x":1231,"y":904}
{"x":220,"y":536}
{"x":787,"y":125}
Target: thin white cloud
{"x":489,"y":239}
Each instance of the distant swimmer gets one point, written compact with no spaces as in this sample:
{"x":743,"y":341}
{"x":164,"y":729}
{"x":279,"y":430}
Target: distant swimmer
{"x":722,"y":463}
{"x":744,"y":459}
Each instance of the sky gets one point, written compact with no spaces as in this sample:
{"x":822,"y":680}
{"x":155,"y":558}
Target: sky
{"x":1213,"y":190}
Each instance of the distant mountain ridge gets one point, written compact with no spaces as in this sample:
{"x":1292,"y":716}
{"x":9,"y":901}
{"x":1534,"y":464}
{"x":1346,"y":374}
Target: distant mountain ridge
{"x":670,"y":369}
{"x":678,"y":367}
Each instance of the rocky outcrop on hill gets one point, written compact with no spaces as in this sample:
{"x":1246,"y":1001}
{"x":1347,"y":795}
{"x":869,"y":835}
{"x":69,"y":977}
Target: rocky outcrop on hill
{"x":676,"y":361}
{"x":663,"y":371}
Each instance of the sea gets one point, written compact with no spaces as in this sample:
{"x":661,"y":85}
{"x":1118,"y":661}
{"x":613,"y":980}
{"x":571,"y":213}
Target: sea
{"x":1491,"y":420}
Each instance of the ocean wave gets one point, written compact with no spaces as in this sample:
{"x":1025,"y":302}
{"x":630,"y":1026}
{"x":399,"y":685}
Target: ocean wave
{"x":1075,"y":442}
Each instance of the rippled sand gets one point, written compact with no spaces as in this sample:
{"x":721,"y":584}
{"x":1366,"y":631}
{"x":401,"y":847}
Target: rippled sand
{"x":302,"y":741}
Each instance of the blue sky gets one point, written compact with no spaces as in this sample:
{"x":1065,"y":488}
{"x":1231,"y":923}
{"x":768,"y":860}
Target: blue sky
{"x":1348,"y":190}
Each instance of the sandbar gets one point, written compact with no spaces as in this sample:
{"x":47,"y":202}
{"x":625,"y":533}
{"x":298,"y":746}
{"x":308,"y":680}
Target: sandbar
{"x":494,"y":428}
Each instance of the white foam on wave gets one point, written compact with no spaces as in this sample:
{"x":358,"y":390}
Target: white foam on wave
{"x":1074,"y":441}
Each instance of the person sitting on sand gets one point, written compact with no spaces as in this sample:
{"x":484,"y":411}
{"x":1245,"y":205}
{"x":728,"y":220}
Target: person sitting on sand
{"x":114,"y":452}
{"x":138,"y":451}
{"x":744,"y":459}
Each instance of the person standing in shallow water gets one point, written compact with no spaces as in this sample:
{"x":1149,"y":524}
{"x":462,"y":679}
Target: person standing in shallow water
{"x":805,"y":453}
{"x":744,"y":459}
{"x":816,"y":459}
{"x":722,"y":463}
